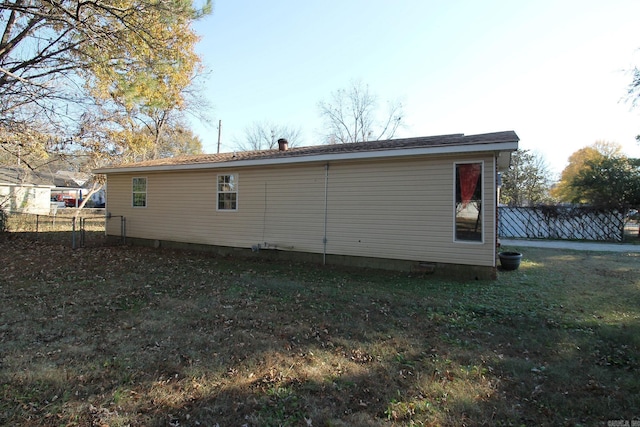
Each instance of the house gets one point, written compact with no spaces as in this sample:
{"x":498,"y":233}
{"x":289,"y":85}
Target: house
{"x":424,"y":204}
{"x":40,"y":192}
{"x":24,"y":191}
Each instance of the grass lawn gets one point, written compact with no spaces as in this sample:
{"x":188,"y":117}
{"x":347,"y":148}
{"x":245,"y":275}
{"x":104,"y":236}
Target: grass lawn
{"x":122,"y":336}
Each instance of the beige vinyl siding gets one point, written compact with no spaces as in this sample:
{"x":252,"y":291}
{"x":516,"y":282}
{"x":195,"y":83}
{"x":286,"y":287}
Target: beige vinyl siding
{"x":181,"y":206}
{"x":174,"y":205}
{"x":403,"y":209}
{"x":281,"y":206}
{"x":398,"y":209}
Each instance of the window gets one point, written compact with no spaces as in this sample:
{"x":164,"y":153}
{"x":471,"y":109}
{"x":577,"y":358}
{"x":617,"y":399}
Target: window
{"x":227,"y":193}
{"x":139,"y":191}
{"x":468,"y":205}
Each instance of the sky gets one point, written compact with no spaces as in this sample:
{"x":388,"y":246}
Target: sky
{"x":554,"y":71}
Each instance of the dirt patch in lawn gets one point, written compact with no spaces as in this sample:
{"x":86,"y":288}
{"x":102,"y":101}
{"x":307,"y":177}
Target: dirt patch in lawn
{"x":120,"y":336}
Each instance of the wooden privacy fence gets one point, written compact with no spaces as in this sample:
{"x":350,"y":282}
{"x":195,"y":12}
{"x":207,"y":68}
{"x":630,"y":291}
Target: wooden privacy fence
{"x":559,"y":222}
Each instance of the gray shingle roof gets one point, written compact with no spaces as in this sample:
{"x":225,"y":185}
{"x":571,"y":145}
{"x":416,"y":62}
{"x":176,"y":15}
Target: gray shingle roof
{"x":23,"y":176}
{"x":371,"y":146}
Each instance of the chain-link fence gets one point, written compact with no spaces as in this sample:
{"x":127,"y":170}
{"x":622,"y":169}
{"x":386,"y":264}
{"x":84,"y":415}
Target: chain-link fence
{"x":75,"y":227}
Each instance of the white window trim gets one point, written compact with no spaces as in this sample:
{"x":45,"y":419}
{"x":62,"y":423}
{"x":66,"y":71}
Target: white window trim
{"x":482,"y":207}
{"x":146,"y":192}
{"x":237,"y":192}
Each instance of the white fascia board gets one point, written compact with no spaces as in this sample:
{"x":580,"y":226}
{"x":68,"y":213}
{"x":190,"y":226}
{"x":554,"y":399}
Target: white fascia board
{"x":13,"y":184}
{"x":69,"y":188}
{"x":330,"y":157}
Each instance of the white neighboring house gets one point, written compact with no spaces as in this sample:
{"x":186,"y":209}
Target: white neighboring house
{"x":24,"y":191}
{"x":36,"y":192}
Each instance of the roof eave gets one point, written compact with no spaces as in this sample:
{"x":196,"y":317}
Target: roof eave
{"x":329,"y":157}
{"x":25,"y":184}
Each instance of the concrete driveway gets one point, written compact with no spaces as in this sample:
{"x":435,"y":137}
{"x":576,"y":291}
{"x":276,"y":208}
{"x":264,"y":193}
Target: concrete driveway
{"x":576,"y":246}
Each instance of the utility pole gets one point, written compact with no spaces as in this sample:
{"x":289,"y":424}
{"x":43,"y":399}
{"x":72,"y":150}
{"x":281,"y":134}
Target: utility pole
{"x":219,"y":132}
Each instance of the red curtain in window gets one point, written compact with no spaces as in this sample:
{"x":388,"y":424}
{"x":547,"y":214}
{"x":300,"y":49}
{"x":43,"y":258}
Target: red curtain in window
{"x":468,"y":175}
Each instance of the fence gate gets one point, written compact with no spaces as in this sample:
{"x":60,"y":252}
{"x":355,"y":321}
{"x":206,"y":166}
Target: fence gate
{"x":88,"y":231}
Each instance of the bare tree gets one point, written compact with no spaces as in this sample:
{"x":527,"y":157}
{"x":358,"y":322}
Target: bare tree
{"x":265,"y":135}
{"x":351,"y":115}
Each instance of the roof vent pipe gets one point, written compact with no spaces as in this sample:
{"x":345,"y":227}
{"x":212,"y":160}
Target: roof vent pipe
{"x":283,"y":144}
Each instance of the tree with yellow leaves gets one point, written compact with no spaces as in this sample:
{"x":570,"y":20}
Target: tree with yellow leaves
{"x":564,"y":190}
{"x":600,"y":175}
{"x":57,"y":57}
